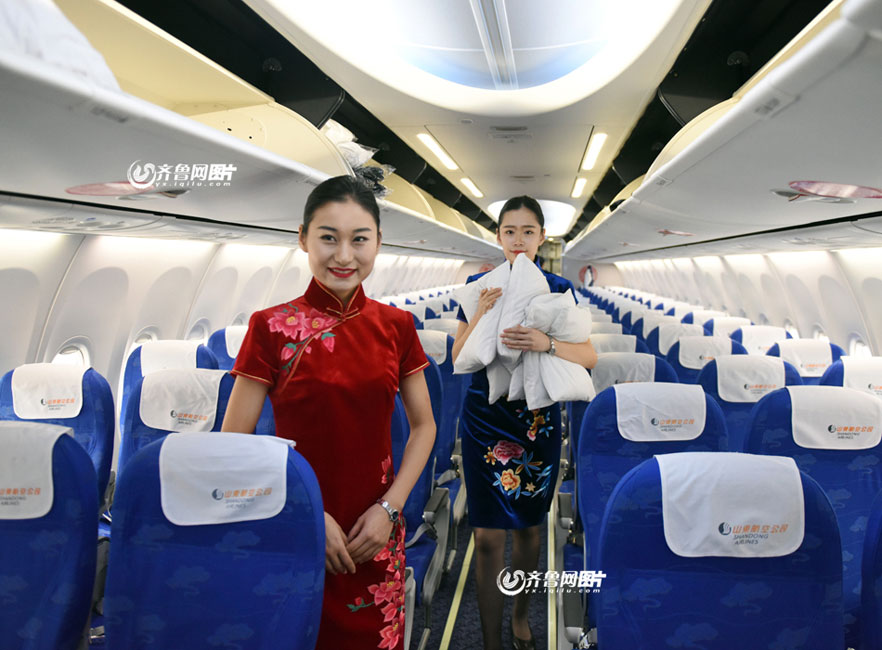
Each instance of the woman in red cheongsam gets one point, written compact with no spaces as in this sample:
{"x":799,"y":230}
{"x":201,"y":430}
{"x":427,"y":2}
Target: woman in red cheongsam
{"x":332,"y":361}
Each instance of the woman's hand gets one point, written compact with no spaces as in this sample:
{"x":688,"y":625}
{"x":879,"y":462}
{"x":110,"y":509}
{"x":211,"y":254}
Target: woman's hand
{"x":526,"y":339}
{"x":369,"y":535}
{"x":486,"y":301}
{"x":337,"y":558}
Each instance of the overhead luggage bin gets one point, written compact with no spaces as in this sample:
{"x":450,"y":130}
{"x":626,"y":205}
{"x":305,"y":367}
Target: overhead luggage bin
{"x":92,"y":140}
{"x":750,"y":164}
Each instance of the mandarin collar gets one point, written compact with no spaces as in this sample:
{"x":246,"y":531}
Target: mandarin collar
{"x":323,"y":299}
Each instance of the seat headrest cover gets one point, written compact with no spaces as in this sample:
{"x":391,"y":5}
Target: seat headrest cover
{"x":722,"y":504}
{"x":653,"y":320}
{"x":217,"y":478}
{"x":434,"y":344}
{"x":727,"y":324}
{"x":614,"y":342}
{"x":233,"y":336}
{"x":743,"y":378}
{"x":180,"y":400}
{"x":159,"y":355}
{"x":26,"y":485}
{"x":47,"y":390}
{"x":622,"y":368}
{"x":810,"y":356}
{"x":604,"y":327}
{"x":863,"y":374}
{"x":702,"y":316}
{"x":649,"y":412}
{"x":446,"y":325}
{"x":669,"y":333}
{"x":833,"y":417}
{"x":757,"y":339}
{"x":698,"y":351}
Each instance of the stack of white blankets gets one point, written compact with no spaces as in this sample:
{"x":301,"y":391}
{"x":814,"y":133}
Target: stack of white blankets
{"x":538,"y":377}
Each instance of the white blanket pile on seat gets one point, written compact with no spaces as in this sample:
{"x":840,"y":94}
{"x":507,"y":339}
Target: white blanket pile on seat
{"x":539,"y":378}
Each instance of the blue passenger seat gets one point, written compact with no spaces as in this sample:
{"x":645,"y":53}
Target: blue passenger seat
{"x":810,"y":357}
{"x":692,"y":353}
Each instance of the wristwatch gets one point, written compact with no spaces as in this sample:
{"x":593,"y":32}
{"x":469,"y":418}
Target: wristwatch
{"x":393,"y":513}
{"x":551,"y":350}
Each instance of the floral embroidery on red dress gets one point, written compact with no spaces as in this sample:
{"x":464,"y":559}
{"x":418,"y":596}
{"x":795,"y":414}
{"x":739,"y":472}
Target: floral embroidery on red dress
{"x":302,"y":327}
{"x":389,"y":594}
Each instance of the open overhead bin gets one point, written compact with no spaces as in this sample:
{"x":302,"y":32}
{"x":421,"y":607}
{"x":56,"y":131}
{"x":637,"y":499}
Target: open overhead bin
{"x":796,"y":146}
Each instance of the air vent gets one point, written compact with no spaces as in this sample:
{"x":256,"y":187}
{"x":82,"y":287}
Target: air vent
{"x":508,"y":129}
{"x":523,"y":179}
{"x":511,"y":137}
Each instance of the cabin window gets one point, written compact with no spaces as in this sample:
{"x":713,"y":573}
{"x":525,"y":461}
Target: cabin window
{"x":857,"y":348}
{"x":199,"y":331}
{"x":790,"y":328}
{"x":72,"y":355}
{"x":144,"y":336}
{"x":240,"y":319}
{"x":819,"y":334}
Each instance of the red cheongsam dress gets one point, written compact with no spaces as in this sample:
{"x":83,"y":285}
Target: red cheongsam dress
{"x":333,"y":372}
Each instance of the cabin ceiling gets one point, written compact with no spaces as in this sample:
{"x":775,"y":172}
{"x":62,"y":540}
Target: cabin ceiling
{"x":509,"y":135}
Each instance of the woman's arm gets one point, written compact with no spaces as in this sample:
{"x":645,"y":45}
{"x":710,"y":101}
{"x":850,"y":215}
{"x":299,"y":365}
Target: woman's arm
{"x":486,"y":301}
{"x":245,"y":405}
{"x":530,"y":339}
{"x":371,"y":532}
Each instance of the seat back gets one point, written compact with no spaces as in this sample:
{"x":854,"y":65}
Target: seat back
{"x":446,"y":325}
{"x":871,"y":575}
{"x":69,"y":396}
{"x":162,"y":355}
{"x":193,"y":400}
{"x":603,"y":327}
{"x":860,"y":374}
{"x":48,"y":529}
{"x":225,"y":343}
{"x":665,"y":335}
{"x":218,"y":541}
{"x":757,"y":339}
{"x":617,"y":343}
{"x":438,"y":346}
{"x":436,"y":394}
{"x":701,"y":316}
{"x":737,"y":383}
{"x":834,"y":435}
{"x":652,"y":597}
{"x":422,"y":489}
{"x":692,"y":353}
{"x":725,"y":325}
{"x":628,"y":423}
{"x":810,"y":357}
{"x":644,"y":325}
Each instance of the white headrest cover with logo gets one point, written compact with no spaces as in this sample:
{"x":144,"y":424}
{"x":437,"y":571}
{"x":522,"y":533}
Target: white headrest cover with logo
{"x":833,"y":417}
{"x":724,"y":326}
{"x":653,"y":319}
{"x":810,"y":356}
{"x":161,"y":355}
{"x":434,"y":344}
{"x":180,"y":400}
{"x":217,"y":478}
{"x":744,"y":378}
{"x":614,"y":342}
{"x":26,"y":486}
{"x":42,"y":391}
{"x":863,"y":374}
{"x":722,"y":504}
{"x":622,"y":368}
{"x":697,"y":351}
{"x":446,"y":325}
{"x":233,"y":337}
{"x":648,"y":412}
{"x":757,"y":339}
{"x":670,"y":333}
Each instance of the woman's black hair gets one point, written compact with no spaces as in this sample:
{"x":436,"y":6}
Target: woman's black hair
{"x":518,"y":202}
{"x":341,"y":189}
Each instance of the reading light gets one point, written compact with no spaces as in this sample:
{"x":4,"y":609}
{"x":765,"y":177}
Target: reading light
{"x":436,"y":149}
{"x":593,"y":150}
{"x":472,"y":187}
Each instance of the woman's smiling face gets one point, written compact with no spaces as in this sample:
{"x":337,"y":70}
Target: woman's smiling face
{"x":520,"y":232}
{"x":342,"y":243}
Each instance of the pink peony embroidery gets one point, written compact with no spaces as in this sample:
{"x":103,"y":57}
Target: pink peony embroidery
{"x":328,"y":342}
{"x":390,"y":635}
{"x":385,"y":591}
{"x":505,"y":451}
{"x":287,"y":353}
{"x":300,"y":325}
{"x":390,"y":611}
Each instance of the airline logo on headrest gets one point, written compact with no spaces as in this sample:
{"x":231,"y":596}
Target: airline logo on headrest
{"x":56,"y":404}
{"x":848,"y":432}
{"x":11,"y":497}
{"x":707,"y":358}
{"x":760,"y":389}
{"x":813,"y":365}
{"x":750,"y":533}
{"x":187,"y":419}
{"x":670,"y":425}
{"x":239,"y":499}
{"x":876,"y":388}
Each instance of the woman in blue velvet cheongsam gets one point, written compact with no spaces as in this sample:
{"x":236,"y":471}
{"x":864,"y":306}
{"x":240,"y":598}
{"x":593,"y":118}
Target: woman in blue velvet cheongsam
{"x":511,"y":454}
